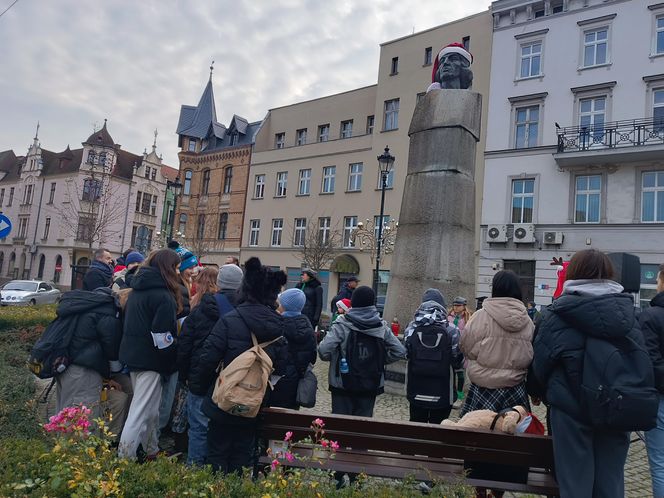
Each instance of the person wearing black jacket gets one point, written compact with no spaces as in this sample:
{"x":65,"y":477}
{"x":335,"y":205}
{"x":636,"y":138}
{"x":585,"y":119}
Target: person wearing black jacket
{"x":148,"y":346}
{"x":231,"y":439}
{"x":100,"y":273}
{"x":301,"y":348}
{"x":313,"y":291}
{"x":652,"y":326}
{"x":95,"y":342}
{"x":346,"y":292}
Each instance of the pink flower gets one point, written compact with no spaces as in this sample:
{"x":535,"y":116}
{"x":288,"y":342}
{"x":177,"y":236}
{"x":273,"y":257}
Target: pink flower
{"x":334,"y":445}
{"x":274,"y":464}
{"x":324,"y":443}
{"x":289,"y":436}
{"x":319,"y":422}
{"x":289,"y":456}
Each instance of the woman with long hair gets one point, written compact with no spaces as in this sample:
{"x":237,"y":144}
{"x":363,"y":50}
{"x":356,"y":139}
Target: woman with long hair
{"x":459,"y":315}
{"x":206,"y":282}
{"x":148,"y":346}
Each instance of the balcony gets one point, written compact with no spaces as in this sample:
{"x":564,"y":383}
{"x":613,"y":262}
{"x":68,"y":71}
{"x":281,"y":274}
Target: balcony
{"x":616,"y":142}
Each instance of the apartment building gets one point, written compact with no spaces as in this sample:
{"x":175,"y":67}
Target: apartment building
{"x":314,"y":166}
{"x":575,"y":138}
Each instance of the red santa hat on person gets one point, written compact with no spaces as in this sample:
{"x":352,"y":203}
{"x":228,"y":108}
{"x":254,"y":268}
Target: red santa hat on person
{"x":452,"y":48}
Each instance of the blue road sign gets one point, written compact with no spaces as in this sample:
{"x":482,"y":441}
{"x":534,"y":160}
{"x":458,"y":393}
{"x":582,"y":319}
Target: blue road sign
{"x":5,"y":226}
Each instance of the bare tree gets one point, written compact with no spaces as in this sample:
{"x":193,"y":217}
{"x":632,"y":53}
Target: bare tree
{"x":206,"y":237}
{"x":319,"y":244}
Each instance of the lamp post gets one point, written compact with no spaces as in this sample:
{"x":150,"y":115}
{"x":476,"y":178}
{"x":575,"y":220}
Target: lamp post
{"x":385,"y":162}
{"x":176,"y":188}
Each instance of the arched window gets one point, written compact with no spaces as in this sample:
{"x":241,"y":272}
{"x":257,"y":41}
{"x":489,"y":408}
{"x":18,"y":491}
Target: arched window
{"x":187,"y":182}
{"x":11,"y":265}
{"x":42,"y":263}
{"x":58,"y":270}
{"x":200,"y":229}
{"x":223,"y":225}
{"x":205,"y":184}
{"x":91,"y":189}
{"x":183,"y":223}
{"x":228,"y":177}
{"x":143,"y":239}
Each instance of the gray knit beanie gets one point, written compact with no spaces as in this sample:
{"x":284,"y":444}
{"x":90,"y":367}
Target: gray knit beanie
{"x":230,"y":277}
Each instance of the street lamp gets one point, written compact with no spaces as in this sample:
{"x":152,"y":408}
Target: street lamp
{"x":385,"y":162}
{"x":176,"y":188}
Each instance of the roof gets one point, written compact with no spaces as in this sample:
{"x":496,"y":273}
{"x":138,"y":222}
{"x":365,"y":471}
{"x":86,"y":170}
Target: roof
{"x":124,"y":166}
{"x":101,"y":137}
{"x":198,"y":123}
{"x":57,"y":163}
{"x":169,"y":173}
{"x":11,"y":165}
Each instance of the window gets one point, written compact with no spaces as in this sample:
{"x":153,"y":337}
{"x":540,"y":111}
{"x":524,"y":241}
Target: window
{"x":386,"y":221}
{"x":301,"y":137}
{"x":350,"y":224}
{"x":523,"y":194}
{"x":205,"y":184}
{"x":355,"y":177}
{"x":592,"y":114}
{"x":11,"y":196}
{"x":192,"y":145}
{"x":659,"y":35}
{"x":147,"y":172}
{"x":40,"y":272}
{"x":531,"y":59}
{"x":324,"y":230}
{"x":466,"y":42}
{"x":587,"y":200}
{"x":346,"y":129}
{"x":299,"y":232}
{"x":595,"y":47}
{"x":223,"y":225}
{"x":427,"y":55}
{"x":47,"y":228}
{"x":277,"y":229}
{"x":145,"y":205}
{"x":279,"y":140}
{"x":153,"y":206}
{"x":391,"y":115}
{"x":102,"y":159}
{"x":138,"y":201}
{"x":394,"y":67}
{"x":200,"y":229}
{"x":27,"y":195}
{"x":557,"y":9}
{"x":652,"y":197}
{"x":58,"y":270}
{"x":526,"y":127}
{"x":51,"y":195}
{"x":187,"y":182}
{"x":2,"y":196}
{"x":234,"y":138}
{"x":153,"y":175}
{"x":324,"y":133}
{"x":282,"y":181}
{"x":22,"y":227}
{"x":370,"y":125}
{"x":228,"y":178}
{"x":657,"y":111}
{"x":183,"y":223}
{"x":84,"y":228}
{"x":259,"y":188}
{"x":304,"y":185}
{"x":255,"y":227}
{"x":92,"y":157}
{"x":328,"y":179}
{"x":91,"y":189}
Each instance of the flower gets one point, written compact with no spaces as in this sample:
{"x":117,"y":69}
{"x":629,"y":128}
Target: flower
{"x":324,"y":443}
{"x":319,"y":423}
{"x":289,"y":436}
{"x":334,"y":445}
{"x":289,"y":456}
{"x":274,"y":464}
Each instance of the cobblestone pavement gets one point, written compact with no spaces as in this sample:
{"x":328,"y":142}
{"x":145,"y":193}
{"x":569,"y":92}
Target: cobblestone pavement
{"x":394,"y":407}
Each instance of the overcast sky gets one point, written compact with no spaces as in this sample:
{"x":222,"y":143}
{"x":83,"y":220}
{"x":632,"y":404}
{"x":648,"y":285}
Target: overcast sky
{"x":72,"y":63}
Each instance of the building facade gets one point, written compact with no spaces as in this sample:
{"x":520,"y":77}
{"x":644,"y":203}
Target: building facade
{"x":214,"y":169}
{"x":314,"y":167}
{"x":574,"y":155}
{"x":64,"y":205}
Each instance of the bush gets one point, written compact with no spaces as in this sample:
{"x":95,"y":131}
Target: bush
{"x":16,"y":317}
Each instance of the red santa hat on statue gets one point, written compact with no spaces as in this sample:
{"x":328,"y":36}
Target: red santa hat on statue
{"x":452,"y":48}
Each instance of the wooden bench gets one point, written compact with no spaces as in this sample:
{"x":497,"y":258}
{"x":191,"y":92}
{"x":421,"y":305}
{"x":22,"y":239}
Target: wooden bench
{"x":396,"y":450}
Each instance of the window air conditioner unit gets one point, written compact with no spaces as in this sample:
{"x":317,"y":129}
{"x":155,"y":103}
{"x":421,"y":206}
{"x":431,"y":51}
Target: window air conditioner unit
{"x":496,"y":233}
{"x":554,"y":238}
{"x":524,"y":233}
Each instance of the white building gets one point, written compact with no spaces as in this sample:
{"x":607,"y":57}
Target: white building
{"x":575,"y":142}
{"x":63,"y":205}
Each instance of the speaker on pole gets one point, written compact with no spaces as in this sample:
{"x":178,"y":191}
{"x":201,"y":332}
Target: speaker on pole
{"x":627,"y":270}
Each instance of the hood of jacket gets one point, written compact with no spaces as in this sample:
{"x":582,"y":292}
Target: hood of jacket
{"x":508,"y":312}
{"x":263,"y":321}
{"x":658,"y":300}
{"x":298,"y":328}
{"x":365,"y":320}
{"x":148,"y":278}
{"x":79,"y":301}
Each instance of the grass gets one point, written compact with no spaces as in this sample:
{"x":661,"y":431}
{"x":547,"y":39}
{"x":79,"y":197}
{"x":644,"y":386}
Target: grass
{"x":17,"y":317}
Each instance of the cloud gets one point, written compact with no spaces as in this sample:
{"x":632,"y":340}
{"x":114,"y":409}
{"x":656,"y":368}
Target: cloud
{"x":70,"y":64}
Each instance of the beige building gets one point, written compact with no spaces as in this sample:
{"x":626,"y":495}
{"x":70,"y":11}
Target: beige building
{"x":314,"y":166}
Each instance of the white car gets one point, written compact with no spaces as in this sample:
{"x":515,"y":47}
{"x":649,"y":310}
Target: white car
{"x":28,"y":293}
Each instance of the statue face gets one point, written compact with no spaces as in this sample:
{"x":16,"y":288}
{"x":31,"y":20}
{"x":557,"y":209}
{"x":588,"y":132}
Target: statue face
{"x":450,"y":66}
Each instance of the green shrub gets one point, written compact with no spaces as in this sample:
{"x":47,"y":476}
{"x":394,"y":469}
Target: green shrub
{"x":16,"y":317}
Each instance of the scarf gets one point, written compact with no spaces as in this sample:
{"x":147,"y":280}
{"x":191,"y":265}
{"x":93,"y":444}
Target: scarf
{"x":428,"y":313}
{"x":102,"y":267}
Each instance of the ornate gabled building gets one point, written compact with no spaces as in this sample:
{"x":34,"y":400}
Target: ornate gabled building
{"x":214,"y":169}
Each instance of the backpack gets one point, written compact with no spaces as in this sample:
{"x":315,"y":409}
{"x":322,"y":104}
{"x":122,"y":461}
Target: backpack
{"x":617,"y":385}
{"x":50,"y":354}
{"x":430,"y":359}
{"x":365,"y":355}
{"x":223,"y":304}
{"x":241,"y":385}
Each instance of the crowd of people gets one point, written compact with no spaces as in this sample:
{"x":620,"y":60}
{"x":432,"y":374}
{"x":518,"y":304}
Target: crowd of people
{"x":155,"y":337}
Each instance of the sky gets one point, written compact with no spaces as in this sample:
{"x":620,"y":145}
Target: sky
{"x":70,"y":64}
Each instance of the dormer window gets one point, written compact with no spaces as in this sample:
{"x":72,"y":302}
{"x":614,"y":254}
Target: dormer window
{"x":92,"y":157}
{"x":147,"y":172}
{"x":234,"y":138}
{"x":102,"y":158}
{"x":192,"y":145}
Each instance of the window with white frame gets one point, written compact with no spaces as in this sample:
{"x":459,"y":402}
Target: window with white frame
{"x":324,"y":133}
{"x":355,"y":177}
{"x":279,"y":140}
{"x":427,"y":55}
{"x":659,"y":34}
{"x":51,"y":194}
{"x":192,"y":145}
{"x":182,"y":228}
{"x":386,"y":221}
{"x":324,"y":225}
{"x":526,"y":126}
{"x":282,"y":182}
{"x":595,"y":46}
{"x":346,"y":129}
{"x":228,"y":179}
{"x":254,"y":231}
{"x":658,"y":110}
{"x":523,"y":200}
{"x":23,"y":228}
{"x":370,"y":125}
{"x":329,"y":173}
{"x":47,"y":228}
{"x":259,"y":187}
{"x":299,"y":232}
{"x":389,"y":183}
{"x":391,"y":115}
{"x":187,"y":182}
{"x":587,"y":199}
{"x":592,"y":116}
{"x":304,"y":183}
{"x":350,"y":224}
{"x":531,"y":59}
{"x":277,"y":229}
{"x":301,"y":136}
{"x":652,"y":197}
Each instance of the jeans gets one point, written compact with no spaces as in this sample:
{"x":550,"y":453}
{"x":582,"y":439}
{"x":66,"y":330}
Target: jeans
{"x":170,"y":384}
{"x":231,"y":447}
{"x":655,"y":447}
{"x":198,"y":428}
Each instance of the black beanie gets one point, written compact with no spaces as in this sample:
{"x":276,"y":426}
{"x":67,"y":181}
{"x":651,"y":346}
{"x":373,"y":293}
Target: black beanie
{"x":362,"y":297}
{"x":434,"y":295}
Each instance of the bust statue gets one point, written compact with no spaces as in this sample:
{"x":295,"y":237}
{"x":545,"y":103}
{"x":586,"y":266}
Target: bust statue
{"x":451,"y":69}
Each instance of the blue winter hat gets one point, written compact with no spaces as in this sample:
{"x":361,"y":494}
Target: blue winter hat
{"x":187,"y":260}
{"x":292,"y":300}
{"x":134,"y":257}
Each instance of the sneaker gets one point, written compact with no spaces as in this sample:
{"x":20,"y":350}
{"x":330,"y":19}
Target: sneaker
{"x":460,"y":395}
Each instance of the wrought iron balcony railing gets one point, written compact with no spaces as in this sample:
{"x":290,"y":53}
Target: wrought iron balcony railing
{"x":616,"y":134}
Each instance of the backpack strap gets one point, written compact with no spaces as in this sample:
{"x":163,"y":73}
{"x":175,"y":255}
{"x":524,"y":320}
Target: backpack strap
{"x":501,"y":414}
{"x":223,"y":304}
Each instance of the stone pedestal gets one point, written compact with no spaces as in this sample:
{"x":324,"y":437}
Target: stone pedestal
{"x":435,"y":241}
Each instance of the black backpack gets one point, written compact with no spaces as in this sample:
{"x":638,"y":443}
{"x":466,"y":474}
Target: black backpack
{"x":365,"y":355}
{"x":617,"y":385}
{"x":50,"y":354}
{"x":429,"y":355}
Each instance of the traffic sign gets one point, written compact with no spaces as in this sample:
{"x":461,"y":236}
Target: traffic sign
{"x":5,"y":226}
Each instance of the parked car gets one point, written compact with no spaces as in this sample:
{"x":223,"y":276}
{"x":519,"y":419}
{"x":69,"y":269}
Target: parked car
{"x":28,"y":292}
